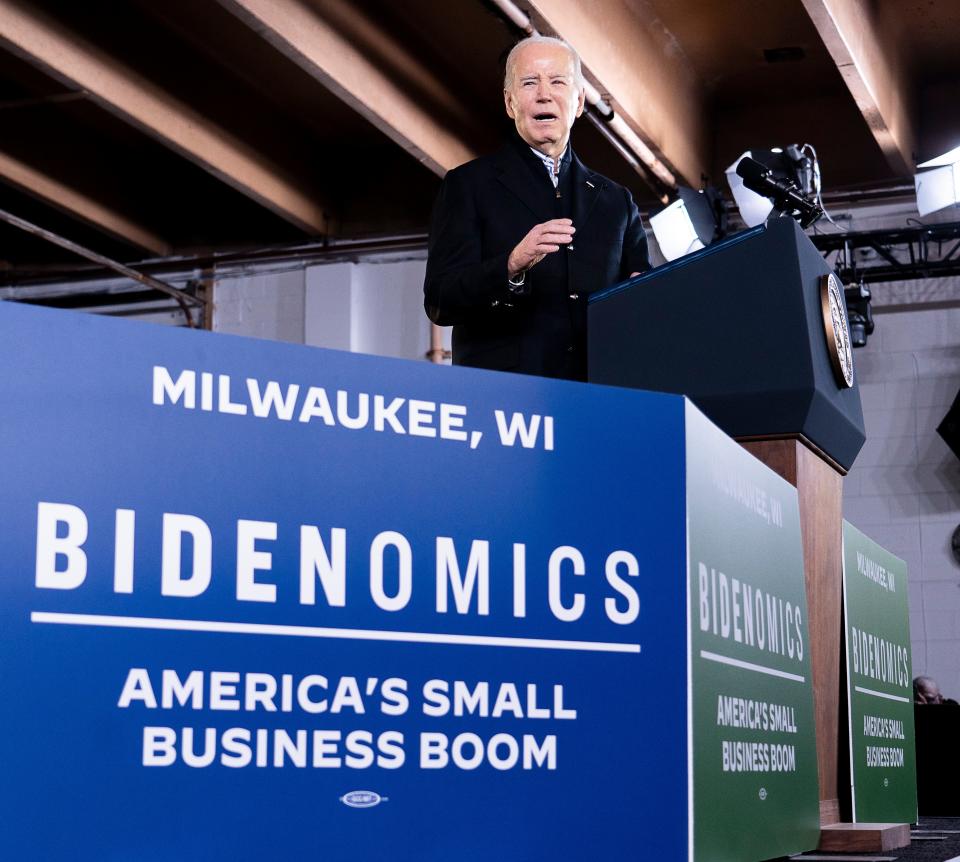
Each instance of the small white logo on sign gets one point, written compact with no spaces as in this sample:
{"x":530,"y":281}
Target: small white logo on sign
{"x":362,"y":799}
{"x":763,"y":793}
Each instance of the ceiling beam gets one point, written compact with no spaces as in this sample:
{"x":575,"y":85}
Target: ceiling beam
{"x":648,"y":82}
{"x":79,"y":205}
{"x":347,"y":52}
{"x":865,"y":51}
{"x":131,"y":97}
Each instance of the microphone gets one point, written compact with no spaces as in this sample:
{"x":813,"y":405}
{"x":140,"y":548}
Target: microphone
{"x":785,"y":195}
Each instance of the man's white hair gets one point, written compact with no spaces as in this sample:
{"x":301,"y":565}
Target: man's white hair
{"x":540,"y":40}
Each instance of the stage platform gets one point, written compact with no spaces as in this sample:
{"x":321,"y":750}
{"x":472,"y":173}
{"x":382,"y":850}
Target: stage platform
{"x":933,"y":839}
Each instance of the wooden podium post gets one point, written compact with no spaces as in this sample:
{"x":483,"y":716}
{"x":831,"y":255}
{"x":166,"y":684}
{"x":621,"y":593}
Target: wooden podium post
{"x":819,"y":483}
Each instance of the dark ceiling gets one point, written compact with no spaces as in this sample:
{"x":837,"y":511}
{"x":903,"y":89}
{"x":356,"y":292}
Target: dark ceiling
{"x":146,"y":130}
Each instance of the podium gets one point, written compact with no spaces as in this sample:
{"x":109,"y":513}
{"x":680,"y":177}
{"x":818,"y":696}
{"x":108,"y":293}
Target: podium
{"x":745,"y":328}
{"x":739,"y":329}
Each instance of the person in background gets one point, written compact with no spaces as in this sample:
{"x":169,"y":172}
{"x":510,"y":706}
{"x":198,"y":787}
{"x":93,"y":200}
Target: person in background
{"x":926,"y":690}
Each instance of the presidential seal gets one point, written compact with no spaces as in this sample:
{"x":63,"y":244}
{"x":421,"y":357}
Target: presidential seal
{"x":836,"y":329}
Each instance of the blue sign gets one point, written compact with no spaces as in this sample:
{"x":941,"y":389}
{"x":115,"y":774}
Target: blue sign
{"x":262,"y":601}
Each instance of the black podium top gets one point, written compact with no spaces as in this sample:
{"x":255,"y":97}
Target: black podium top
{"x":739,"y":328}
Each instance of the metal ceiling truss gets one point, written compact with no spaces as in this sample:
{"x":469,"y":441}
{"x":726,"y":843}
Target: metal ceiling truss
{"x":869,"y":257}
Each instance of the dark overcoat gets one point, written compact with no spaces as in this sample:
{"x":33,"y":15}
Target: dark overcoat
{"x":484,"y":209}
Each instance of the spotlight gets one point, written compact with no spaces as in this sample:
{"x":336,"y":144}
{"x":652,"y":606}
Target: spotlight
{"x":859,"y":313}
{"x":690,"y":223}
{"x":938,"y":187}
{"x":787,"y":166}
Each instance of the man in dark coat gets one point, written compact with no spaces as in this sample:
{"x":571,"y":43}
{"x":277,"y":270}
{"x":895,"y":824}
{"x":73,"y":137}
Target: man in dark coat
{"x":521,"y":238}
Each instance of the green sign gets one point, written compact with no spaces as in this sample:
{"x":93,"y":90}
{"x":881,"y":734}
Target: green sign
{"x":753,"y":758}
{"x":882,"y":757}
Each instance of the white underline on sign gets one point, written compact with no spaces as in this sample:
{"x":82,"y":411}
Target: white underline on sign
{"x":224,"y":627}
{"x":747,"y":665}
{"x":873,"y":693}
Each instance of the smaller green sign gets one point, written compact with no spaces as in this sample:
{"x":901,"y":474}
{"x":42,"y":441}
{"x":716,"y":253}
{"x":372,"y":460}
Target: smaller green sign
{"x":754,"y":749}
{"x":883,"y":771}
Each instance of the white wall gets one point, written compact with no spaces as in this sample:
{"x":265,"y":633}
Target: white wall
{"x":265,"y":305}
{"x":904,"y":488}
{"x":373,"y":306}
{"x":368,"y":307}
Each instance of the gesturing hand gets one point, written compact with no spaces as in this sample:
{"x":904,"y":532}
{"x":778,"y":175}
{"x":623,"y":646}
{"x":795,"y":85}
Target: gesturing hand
{"x":538,"y":243}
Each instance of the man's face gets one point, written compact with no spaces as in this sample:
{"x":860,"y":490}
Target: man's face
{"x":928,"y":692}
{"x":544,"y":98}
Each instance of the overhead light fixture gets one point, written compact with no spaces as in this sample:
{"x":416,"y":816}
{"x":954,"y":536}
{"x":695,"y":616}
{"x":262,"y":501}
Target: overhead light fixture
{"x":938,"y":187}
{"x":690,"y":223}
{"x":789,"y":164}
